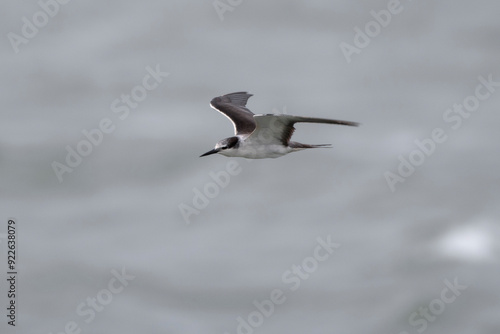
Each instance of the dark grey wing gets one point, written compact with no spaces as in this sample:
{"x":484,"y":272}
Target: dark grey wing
{"x":278,"y":129}
{"x":233,"y":106}
{"x":299,"y":119}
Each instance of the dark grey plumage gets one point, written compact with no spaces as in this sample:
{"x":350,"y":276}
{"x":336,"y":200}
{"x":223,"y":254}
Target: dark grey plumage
{"x":233,"y":106}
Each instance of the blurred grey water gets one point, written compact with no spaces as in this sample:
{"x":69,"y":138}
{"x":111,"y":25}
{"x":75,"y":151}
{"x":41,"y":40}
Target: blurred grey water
{"x":120,"y":209}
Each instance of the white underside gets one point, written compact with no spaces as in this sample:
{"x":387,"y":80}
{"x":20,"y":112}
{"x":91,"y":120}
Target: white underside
{"x":246,"y":150}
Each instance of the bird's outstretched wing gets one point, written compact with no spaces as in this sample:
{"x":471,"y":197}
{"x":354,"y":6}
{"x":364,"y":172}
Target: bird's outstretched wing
{"x":233,"y":106}
{"x":278,"y":129}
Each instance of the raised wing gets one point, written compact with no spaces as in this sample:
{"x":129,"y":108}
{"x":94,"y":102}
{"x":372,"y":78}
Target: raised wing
{"x":233,"y":106}
{"x":278,"y":129}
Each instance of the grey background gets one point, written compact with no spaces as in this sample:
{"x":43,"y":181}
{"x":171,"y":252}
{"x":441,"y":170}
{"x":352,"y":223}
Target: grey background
{"x":120,"y":207}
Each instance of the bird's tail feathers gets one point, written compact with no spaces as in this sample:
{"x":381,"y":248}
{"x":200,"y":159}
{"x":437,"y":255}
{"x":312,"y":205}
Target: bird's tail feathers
{"x":296,"y":145}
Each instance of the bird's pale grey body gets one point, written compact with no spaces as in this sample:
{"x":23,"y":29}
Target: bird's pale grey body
{"x":260,"y":136}
{"x":251,"y":150}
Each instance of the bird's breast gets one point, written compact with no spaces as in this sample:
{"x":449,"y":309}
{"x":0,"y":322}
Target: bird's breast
{"x":249,"y":151}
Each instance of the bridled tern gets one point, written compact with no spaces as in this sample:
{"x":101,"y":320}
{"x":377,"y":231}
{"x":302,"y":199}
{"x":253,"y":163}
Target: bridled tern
{"x":260,"y":136}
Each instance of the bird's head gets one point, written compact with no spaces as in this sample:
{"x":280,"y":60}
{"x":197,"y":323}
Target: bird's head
{"x":223,"y":146}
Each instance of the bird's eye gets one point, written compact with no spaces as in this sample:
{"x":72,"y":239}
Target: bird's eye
{"x":223,"y":147}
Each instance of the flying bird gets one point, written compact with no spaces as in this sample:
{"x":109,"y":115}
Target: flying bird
{"x":260,"y":136}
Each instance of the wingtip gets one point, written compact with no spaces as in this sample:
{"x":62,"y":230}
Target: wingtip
{"x":348,"y":123}
{"x":227,"y":98}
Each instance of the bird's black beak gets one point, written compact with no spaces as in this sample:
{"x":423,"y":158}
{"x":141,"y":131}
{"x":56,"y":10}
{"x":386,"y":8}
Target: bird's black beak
{"x":209,"y":152}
